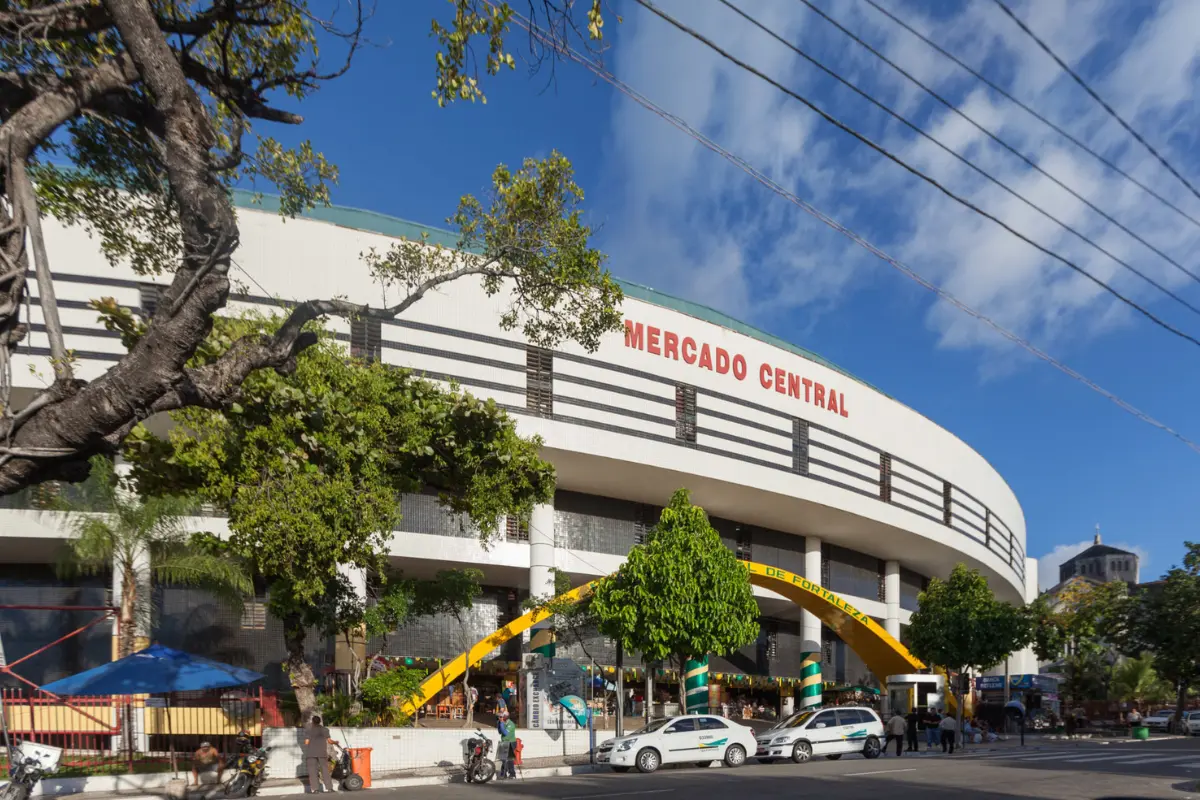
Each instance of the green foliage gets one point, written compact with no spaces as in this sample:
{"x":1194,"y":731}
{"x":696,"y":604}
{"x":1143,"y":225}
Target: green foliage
{"x":1135,"y":680}
{"x":529,"y":240}
{"x":573,"y":622}
{"x":380,"y":692}
{"x":959,"y":623}
{"x":681,"y":594}
{"x":310,"y":465}
{"x":452,"y":592}
{"x":1084,"y":626}
{"x":114,"y":529}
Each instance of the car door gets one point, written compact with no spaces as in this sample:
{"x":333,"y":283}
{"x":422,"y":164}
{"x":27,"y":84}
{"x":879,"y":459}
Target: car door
{"x":681,"y":740}
{"x":714,"y":735}
{"x":825,"y":733}
{"x":853,"y":728}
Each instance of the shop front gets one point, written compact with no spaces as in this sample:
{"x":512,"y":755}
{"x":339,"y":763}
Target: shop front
{"x":1038,"y":693}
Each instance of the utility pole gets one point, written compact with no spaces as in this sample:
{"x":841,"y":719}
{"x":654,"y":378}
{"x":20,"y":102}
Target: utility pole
{"x":620,"y":690}
{"x":3,"y":718}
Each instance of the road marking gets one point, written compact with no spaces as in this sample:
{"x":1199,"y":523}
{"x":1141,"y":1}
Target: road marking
{"x":878,"y":772}
{"x":616,"y":794}
{"x":1157,"y":759}
{"x":1086,"y":759}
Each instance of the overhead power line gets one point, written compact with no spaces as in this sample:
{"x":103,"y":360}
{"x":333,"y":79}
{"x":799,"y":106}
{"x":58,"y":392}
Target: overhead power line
{"x":995,"y":138}
{"x":599,"y":71}
{"x":1030,"y":111}
{"x":913,"y":170}
{"x":1112,"y":113}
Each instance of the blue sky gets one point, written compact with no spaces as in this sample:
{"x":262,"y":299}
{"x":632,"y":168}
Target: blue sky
{"x":674,"y":216}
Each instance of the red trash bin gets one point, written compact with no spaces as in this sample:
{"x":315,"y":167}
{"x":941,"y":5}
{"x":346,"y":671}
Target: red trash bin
{"x":360,"y":763}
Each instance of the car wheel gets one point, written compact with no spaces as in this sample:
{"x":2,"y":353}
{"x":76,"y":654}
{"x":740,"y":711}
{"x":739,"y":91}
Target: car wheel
{"x":871,"y":749}
{"x":834,"y":756}
{"x":620,"y":769}
{"x":648,"y":760}
{"x":802,"y":752}
{"x":735,"y":755}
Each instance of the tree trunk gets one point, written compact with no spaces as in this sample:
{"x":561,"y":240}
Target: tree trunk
{"x":469,"y":716}
{"x":127,"y":620}
{"x":1180,"y":701}
{"x":299,"y":671}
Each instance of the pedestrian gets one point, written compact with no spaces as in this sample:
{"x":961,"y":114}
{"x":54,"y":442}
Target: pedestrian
{"x":911,"y":720}
{"x":932,"y":718}
{"x":949,"y":730}
{"x":895,"y":730}
{"x":207,"y":764}
{"x":316,"y":755}
{"x":508,"y":740}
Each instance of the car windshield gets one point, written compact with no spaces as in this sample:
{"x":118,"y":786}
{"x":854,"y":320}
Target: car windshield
{"x":652,"y":727}
{"x":796,"y":720}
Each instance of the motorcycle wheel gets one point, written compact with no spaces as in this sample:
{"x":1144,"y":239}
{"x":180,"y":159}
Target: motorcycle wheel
{"x":484,"y":771}
{"x":237,"y":784}
{"x":353,"y":783}
{"x":14,"y":791}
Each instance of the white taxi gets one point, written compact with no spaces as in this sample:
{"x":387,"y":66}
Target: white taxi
{"x":697,"y":739}
{"x":831,"y":732}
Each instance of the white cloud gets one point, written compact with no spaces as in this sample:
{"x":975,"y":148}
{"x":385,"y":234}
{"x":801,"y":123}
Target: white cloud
{"x":1048,"y":564}
{"x":683,"y":219}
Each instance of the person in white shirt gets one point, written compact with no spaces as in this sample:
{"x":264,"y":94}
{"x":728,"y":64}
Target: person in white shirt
{"x":949,"y":730}
{"x":896,"y":728}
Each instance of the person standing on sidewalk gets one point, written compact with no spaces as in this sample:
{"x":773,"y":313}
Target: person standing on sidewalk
{"x":949,"y":730}
{"x":911,"y":720}
{"x":508,"y":741}
{"x":316,"y":755}
{"x":932,"y":718}
{"x":895,"y":730}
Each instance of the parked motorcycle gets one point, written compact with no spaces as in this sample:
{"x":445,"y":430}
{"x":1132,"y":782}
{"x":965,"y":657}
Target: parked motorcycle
{"x":30,"y":763}
{"x":341,"y":769}
{"x":479,"y":765}
{"x":249,"y":772}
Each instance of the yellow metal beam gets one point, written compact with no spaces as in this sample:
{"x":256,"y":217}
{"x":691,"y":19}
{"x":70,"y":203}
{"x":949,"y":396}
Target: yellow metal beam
{"x":882,"y":654}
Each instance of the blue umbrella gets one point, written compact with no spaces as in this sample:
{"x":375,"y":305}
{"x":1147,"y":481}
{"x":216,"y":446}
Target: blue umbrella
{"x":155,"y":670}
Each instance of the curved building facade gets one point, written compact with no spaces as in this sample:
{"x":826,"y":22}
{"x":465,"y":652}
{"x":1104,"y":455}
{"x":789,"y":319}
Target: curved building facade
{"x":798,"y":463}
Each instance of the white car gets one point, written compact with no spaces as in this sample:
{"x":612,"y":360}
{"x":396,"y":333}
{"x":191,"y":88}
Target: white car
{"x":1159,"y":720}
{"x":831,"y":732}
{"x":692,"y":739}
{"x":1192,"y":720}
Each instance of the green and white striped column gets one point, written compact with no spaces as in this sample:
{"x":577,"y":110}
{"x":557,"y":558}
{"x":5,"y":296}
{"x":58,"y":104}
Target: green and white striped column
{"x":541,"y":640}
{"x":810,"y":681}
{"x":695,"y":685}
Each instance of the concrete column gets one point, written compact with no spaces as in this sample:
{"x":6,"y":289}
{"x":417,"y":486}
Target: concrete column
{"x":810,"y":632}
{"x":891,"y":597}
{"x":541,"y":573}
{"x":350,"y":649}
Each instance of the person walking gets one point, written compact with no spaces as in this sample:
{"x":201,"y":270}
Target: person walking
{"x":316,"y":755}
{"x":949,"y":730}
{"x":508,"y":741}
{"x":912,"y":720}
{"x":932,"y":718}
{"x":895,"y":730}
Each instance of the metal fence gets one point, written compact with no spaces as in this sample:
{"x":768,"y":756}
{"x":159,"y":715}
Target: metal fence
{"x":136,"y":733}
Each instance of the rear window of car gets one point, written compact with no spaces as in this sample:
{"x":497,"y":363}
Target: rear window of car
{"x":853,"y":716}
{"x":711,"y":724}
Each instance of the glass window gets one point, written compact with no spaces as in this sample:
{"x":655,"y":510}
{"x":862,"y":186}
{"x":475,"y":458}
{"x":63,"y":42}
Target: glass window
{"x":826,"y":718}
{"x":685,"y":725}
{"x":797,"y":720}
{"x":652,"y":727}
{"x":850,"y":716}
{"x":853,"y":573}
{"x":712,"y":724}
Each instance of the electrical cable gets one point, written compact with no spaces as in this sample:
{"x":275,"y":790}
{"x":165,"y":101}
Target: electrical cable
{"x":599,"y":71}
{"x":1112,"y":113}
{"x":913,"y":170}
{"x":1028,"y":161}
{"x":1028,"y":110}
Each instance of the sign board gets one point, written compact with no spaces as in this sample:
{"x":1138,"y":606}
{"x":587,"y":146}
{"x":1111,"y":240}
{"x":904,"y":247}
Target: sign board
{"x":156,"y":702}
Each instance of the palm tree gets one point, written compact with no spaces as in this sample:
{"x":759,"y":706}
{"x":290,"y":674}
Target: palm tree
{"x":1135,"y":680}
{"x":115,"y":530}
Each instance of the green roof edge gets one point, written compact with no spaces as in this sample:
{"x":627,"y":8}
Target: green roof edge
{"x":385,"y":225}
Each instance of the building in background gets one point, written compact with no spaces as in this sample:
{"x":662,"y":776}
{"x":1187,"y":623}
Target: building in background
{"x":800,"y":465}
{"x":1102,"y":563}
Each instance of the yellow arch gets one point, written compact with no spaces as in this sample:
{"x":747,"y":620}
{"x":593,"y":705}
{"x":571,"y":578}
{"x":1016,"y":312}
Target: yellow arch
{"x":881,"y":653}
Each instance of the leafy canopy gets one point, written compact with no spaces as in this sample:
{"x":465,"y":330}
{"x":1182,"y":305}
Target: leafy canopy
{"x":960,"y":624}
{"x":681,"y":594}
{"x":1165,"y":620}
{"x":310,"y":465}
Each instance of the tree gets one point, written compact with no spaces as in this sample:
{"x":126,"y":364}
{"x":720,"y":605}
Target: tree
{"x":681,"y":594}
{"x":1135,"y":680}
{"x":1165,"y":620}
{"x":959,"y":625}
{"x":157,"y":108}
{"x":113,"y":529}
{"x":310,"y":465}
{"x":452,"y":593}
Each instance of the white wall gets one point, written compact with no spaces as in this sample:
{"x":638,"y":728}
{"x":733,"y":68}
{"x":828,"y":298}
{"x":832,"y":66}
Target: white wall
{"x":299,"y":259}
{"x":412,"y":748}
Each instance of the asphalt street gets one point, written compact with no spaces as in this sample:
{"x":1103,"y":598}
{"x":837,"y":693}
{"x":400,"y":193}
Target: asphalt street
{"x":1065,"y":772}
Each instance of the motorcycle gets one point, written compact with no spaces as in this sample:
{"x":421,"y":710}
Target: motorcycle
{"x":30,"y":763}
{"x":479,"y":765}
{"x":249,"y":771}
{"x":341,"y":769}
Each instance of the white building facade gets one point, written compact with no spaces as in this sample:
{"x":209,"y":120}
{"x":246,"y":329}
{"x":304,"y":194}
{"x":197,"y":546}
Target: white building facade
{"x":798,"y":463}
